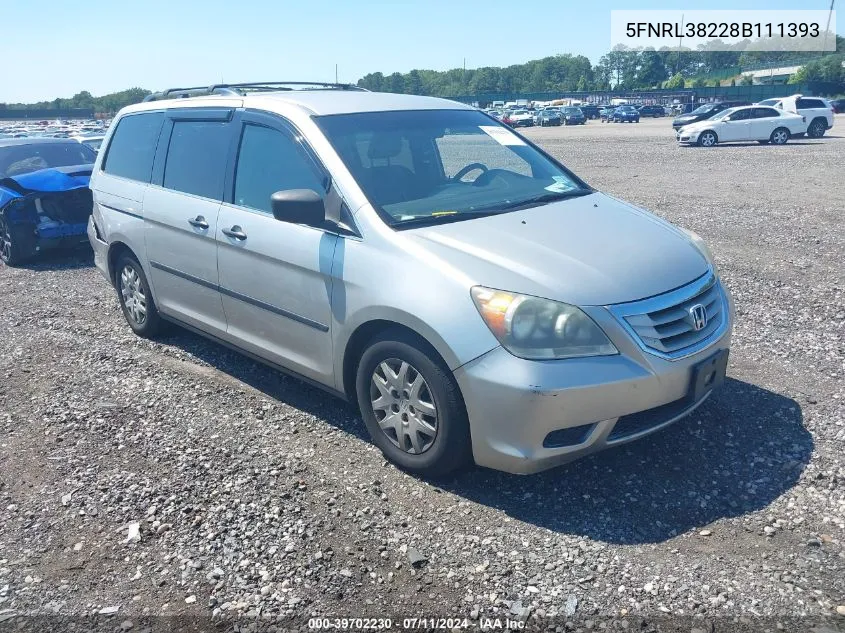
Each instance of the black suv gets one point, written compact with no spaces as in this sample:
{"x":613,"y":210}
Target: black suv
{"x":705,"y":112}
{"x":651,"y":110}
{"x":590,"y":111}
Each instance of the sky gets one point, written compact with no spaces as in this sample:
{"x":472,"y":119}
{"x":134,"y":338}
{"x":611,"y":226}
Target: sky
{"x":104,"y":46}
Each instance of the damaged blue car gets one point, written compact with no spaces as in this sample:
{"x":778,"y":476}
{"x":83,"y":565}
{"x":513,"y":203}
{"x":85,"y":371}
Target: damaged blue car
{"x":44,"y":196}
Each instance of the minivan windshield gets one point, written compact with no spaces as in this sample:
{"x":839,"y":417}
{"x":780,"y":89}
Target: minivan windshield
{"x":433,"y":166}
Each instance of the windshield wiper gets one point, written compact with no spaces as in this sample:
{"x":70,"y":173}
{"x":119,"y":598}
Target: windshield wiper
{"x":544,"y":199}
{"x":425,"y":220}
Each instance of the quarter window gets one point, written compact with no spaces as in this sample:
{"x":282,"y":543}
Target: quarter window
{"x":271,"y":161}
{"x":196,"y":158}
{"x":133,"y":146}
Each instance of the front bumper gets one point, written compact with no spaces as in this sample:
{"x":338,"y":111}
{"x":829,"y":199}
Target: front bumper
{"x":527,"y":416}
{"x":686,"y":137}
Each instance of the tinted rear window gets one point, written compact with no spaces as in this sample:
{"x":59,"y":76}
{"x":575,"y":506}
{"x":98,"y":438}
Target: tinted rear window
{"x":133,"y":146}
{"x":196,"y":158}
{"x":810,"y":103}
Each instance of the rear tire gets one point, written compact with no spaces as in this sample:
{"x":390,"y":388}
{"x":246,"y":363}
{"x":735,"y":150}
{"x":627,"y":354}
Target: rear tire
{"x":386,"y":400}
{"x":779,"y":136}
{"x":136,"y":300}
{"x":817,"y":128}
{"x":17,"y":242}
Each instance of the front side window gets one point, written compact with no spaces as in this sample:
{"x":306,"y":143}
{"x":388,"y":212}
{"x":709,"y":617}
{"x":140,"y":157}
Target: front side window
{"x":196,"y":158}
{"x":269,"y":161}
{"x":133,"y":146}
{"x":735,"y":115}
{"x":765,"y":113}
{"x":433,"y":166}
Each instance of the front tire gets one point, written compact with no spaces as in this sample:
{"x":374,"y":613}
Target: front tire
{"x":17,"y":242}
{"x":779,"y":137}
{"x":412,"y":406}
{"x":136,"y":300}
{"x":707,"y":139}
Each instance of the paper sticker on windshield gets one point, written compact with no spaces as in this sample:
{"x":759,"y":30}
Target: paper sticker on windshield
{"x":501,"y":135}
{"x":560,"y":185}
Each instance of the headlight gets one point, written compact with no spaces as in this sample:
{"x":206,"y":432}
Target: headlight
{"x":703,"y":249}
{"x":540,"y":329}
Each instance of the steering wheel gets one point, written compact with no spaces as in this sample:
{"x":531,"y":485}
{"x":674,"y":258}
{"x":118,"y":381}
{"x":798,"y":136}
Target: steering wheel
{"x":490,"y":175}
{"x":471,"y":167}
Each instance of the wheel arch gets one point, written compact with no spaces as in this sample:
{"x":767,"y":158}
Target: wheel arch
{"x":712,"y":131}
{"x":356,"y":343}
{"x":116,"y":249}
{"x":120,"y":247}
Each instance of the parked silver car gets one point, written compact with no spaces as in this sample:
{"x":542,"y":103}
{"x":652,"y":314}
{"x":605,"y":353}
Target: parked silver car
{"x":476,"y":299}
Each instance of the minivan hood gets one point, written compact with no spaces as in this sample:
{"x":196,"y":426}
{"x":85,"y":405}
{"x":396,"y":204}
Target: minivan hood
{"x":593,"y":250}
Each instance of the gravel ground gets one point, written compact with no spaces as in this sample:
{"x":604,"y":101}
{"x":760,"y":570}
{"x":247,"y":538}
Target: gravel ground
{"x":176,"y":478}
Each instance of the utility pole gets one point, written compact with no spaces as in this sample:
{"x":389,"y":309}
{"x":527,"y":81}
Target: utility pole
{"x":335,"y":74}
{"x":679,"y":44}
{"x":827,"y":28}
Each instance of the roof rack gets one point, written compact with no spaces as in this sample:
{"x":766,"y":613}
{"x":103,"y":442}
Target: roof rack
{"x":241,"y":89}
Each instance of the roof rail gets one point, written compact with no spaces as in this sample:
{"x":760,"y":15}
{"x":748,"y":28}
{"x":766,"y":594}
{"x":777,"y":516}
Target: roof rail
{"x":240,"y":89}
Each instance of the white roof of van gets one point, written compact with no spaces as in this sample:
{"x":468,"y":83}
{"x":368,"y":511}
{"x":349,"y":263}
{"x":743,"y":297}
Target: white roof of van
{"x":315,"y":102}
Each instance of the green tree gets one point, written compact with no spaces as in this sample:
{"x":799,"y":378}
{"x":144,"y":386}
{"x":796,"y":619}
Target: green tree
{"x":395,"y":83}
{"x":747,"y":80}
{"x":413,"y":83}
{"x":652,"y":70}
{"x":675,"y":81}
{"x":827,"y":69}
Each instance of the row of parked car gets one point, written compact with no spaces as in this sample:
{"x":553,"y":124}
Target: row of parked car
{"x":577,"y":115}
{"x":772,"y":121}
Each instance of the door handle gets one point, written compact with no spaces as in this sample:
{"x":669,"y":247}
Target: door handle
{"x":235,"y":232}
{"x":198,"y":222}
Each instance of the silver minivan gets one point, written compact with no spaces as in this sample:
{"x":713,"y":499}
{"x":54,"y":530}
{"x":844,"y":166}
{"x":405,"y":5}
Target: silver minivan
{"x":476,"y":299}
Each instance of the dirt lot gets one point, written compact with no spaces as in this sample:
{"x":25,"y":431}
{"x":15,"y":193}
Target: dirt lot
{"x":259,"y":499}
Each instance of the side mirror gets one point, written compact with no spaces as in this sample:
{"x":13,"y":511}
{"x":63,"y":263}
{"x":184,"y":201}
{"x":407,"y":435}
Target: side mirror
{"x":298,"y":206}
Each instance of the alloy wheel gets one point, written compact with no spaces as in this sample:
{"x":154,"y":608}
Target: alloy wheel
{"x":5,"y":240}
{"x":816,"y":129}
{"x":779,"y":137}
{"x":133,"y":295}
{"x":403,"y":406}
{"x":708,"y":139}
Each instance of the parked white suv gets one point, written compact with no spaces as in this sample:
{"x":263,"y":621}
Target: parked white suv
{"x":818,"y":112}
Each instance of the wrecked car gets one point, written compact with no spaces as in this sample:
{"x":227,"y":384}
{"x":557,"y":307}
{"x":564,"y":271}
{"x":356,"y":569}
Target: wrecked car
{"x":44,"y":196}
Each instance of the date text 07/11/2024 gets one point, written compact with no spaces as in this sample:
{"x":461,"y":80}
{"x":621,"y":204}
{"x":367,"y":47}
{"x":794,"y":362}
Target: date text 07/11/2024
{"x":410,"y":624}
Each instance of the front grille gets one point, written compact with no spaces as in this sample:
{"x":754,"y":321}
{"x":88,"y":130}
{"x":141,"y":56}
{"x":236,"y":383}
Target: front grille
{"x":665,"y":324}
{"x":635,"y":423}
